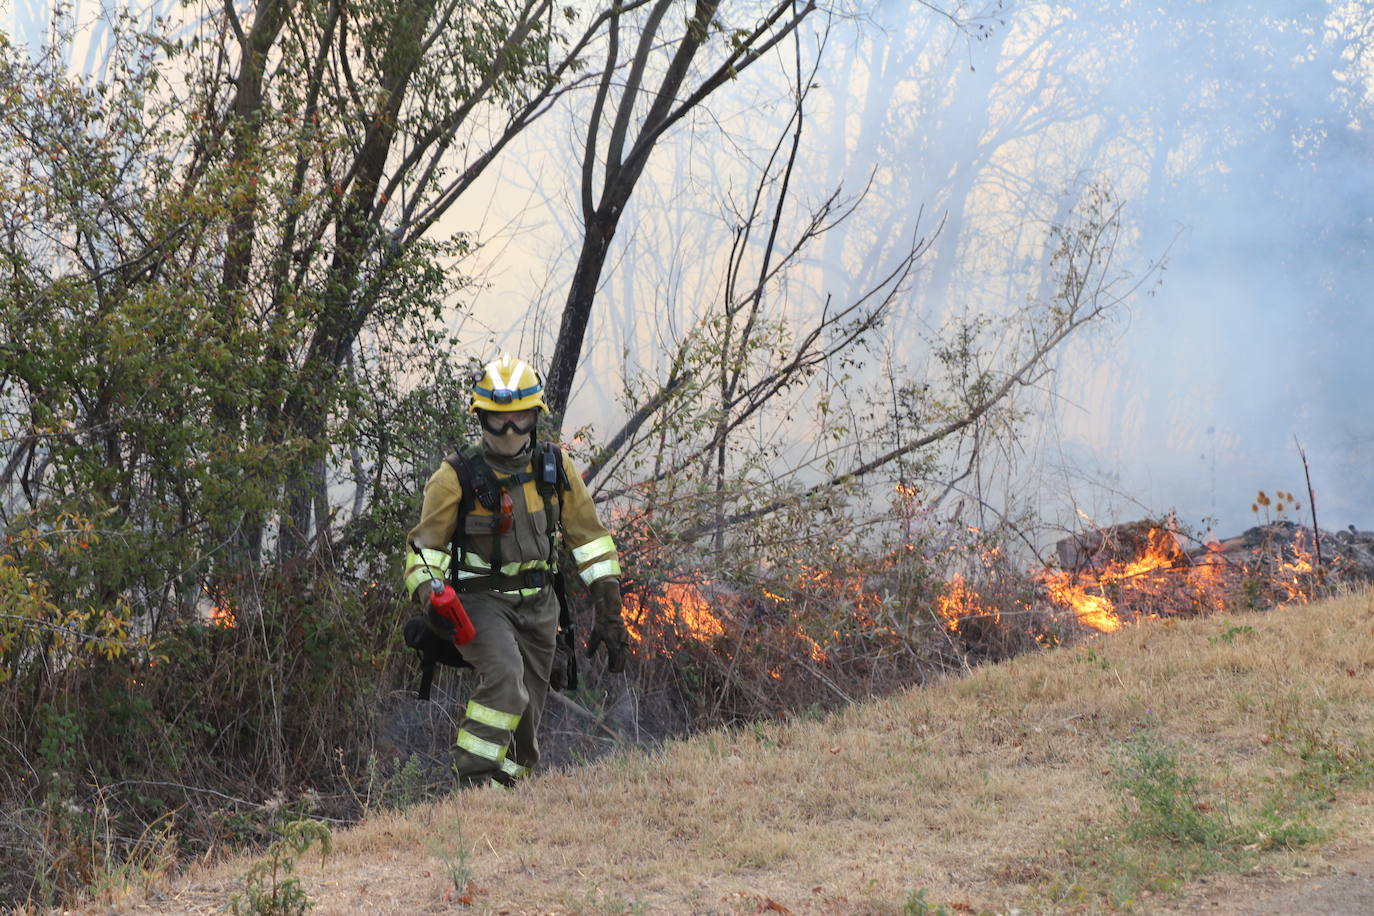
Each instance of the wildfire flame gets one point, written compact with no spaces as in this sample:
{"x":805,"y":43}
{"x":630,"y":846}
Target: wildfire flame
{"x":680,"y":606}
{"x":216,"y":609}
{"x":1133,"y":572}
{"x":960,"y":602}
{"x":1095,"y":611}
{"x":1296,"y":576}
{"x":1087,"y":594}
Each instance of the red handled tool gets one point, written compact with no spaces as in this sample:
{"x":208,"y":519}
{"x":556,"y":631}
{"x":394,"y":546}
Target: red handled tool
{"x":444,"y":600}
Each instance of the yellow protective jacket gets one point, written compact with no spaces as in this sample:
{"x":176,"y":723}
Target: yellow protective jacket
{"x":525,"y":548}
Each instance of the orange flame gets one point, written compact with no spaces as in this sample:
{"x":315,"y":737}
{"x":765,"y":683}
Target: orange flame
{"x":959,"y":602}
{"x":1095,"y":611}
{"x":223,"y":616}
{"x":1296,"y":576}
{"x":216,"y":609}
{"x":693,"y":613}
{"x":1086,"y":595}
{"x":678,"y":606}
{"x":813,"y":648}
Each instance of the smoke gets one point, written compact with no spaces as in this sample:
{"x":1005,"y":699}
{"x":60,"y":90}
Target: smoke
{"x":1253,"y":343}
{"x":1239,"y":145}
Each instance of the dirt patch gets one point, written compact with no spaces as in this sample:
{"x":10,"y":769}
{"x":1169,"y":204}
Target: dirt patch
{"x":1338,"y":885}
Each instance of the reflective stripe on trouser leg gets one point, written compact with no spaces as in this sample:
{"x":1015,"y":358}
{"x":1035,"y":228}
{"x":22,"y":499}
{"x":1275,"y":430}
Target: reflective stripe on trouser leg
{"x":485,"y":735}
{"x":506,"y":721}
{"x":513,"y":769}
{"x":498,"y":700}
{"x":480,"y":747}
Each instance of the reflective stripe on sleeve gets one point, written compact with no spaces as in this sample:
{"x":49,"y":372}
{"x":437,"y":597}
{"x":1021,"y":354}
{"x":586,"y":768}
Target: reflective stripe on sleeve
{"x":593,"y":549}
{"x":600,"y":571}
{"x":493,"y":717}
{"x":425,"y":565}
{"x":479,"y":747}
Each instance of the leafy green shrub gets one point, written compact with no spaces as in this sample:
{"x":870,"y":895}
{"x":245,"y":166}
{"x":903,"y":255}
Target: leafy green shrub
{"x":270,"y":887}
{"x":1162,"y":799}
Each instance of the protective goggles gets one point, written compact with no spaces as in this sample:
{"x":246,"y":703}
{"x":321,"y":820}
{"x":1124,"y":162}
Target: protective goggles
{"x":502,"y":424}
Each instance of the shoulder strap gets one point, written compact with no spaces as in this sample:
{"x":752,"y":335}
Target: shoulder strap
{"x":478,"y":484}
{"x":552,"y":484}
{"x":552,"y":478}
{"x":475,"y":477}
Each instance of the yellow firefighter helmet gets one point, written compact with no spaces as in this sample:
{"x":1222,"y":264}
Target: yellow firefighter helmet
{"x":507,"y":384}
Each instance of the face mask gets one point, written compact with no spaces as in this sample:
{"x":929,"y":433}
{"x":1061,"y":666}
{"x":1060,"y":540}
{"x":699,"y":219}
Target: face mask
{"x":507,"y":445}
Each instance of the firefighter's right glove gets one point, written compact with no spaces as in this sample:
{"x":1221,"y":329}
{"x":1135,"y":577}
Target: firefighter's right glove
{"x":609,"y":627}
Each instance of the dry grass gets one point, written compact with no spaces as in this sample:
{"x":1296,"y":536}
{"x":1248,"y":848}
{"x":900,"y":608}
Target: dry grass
{"x":969,"y":789}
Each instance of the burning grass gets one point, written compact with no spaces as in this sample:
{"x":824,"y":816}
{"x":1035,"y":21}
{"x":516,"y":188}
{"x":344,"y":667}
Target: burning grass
{"x":835,"y":629}
{"x":1001,"y":789}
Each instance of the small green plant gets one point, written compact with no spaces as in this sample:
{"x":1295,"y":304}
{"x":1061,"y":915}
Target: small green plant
{"x":454,"y":854}
{"x":268,"y":892}
{"x":1325,"y":764}
{"x":1230,"y":634}
{"x":407,"y":784}
{"x":1250,"y":593}
{"x":1169,"y":832}
{"x":917,"y":905}
{"x":1090,"y":657}
{"x":1161,"y":798}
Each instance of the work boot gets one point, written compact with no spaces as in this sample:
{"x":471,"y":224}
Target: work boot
{"x":475,"y":780}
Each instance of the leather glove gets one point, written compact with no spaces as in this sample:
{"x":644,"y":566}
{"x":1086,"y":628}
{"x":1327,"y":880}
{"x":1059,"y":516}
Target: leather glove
{"x":609,"y":628}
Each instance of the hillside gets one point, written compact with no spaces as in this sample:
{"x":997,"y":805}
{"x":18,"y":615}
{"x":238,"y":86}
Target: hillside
{"x":1240,"y":745}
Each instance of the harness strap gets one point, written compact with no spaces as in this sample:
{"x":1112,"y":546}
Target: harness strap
{"x":530,"y":578}
{"x":479,"y":484}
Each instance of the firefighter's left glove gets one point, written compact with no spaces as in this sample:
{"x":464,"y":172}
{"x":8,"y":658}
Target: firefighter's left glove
{"x":609,"y":627}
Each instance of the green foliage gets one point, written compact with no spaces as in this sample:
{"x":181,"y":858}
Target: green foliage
{"x":1163,"y":802}
{"x":456,"y":855}
{"x":270,"y":887}
{"x":1325,"y":765}
{"x":604,"y":902}
{"x":1230,"y":634}
{"x":192,"y":324}
{"x":1169,"y":831}
{"x":397,"y":786}
{"x":917,"y":905}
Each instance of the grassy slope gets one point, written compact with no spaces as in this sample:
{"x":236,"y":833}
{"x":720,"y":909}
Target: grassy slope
{"x":990,"y":792}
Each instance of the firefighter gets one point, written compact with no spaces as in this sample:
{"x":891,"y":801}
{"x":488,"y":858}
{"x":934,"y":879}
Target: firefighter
{"x":501,"y":560}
